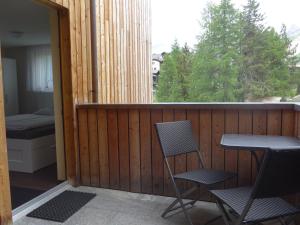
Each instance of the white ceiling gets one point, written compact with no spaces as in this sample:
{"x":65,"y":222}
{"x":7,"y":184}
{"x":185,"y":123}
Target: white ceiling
{"x":27,"y":17}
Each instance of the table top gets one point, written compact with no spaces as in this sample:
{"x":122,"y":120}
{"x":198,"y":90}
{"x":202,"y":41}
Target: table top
{"x":259,"y":142}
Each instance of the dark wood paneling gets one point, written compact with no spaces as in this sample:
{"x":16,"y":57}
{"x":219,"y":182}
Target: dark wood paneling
{"x":129,"y":153}
{"x":84,"y":147}
{"x":180,"y":160}
{"x":93,"y":147}
{"x":192,"y":158}
{"x":168,"y":116}
{"x":146,"y":151}
{"x":113,"y":149}
{"x":157,"y":157}
{"x":259,"y":128}
{"x":103,"y":148}
{"x":135,"y":155}
{"x":231,"y":157}
{"x":244,"y":165}
{"x":124,"y":154}
{"x":218,"y":153}
{"x":205,"y":137}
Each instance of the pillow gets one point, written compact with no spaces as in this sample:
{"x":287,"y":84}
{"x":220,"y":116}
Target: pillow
{"x":45,"y":112}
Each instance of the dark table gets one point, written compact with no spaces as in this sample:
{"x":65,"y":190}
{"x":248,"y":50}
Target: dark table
{"x":258,"y":142}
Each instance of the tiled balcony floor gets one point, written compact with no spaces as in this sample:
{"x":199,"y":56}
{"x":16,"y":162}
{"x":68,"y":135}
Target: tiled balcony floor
{"x":122,"y":208}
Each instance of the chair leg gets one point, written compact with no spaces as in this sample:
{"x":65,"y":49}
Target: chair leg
{"x":183,"y":195}
{"x":287,"y":221}
{"x":282,"y":221}
{"x":185,"y":212}
{"x":172,"y":208}
{"x":213,"y":220}
{"x":223,"y":211}
{"x":179,"y":197}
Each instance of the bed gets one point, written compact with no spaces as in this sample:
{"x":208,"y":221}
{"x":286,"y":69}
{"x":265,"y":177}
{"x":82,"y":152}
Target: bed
{"x":30,"y":141}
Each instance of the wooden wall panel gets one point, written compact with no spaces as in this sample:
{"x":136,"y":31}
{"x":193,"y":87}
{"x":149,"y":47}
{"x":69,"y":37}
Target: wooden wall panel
{"x":146,"y":153}
{"x":124,"y":51}
{"x":84,"y":136}
{"x":180,"y":165}
{"x":218,"y":154}
{"x":124,"y":153}
{"x":244,"y":165}
{"x":138,"y":156}
{"x":259,"y":128}
{"x":205,"y":137}
{"x":157,"y":157}
{"x":93,"y":147}
{"x":135,"y":154}
{"x":168,"y":116}
{"x":231,"y":157}
{"x":113,"y":149}
{"x":103,"y":148}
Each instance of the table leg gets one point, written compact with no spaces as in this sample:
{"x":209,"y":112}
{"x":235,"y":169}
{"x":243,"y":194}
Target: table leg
{"x":254,"y":153}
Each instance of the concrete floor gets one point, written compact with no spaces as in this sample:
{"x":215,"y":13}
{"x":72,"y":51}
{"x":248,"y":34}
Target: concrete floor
{"x":123,"y":208}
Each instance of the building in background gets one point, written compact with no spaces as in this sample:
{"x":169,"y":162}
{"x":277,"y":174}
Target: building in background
{"x":157,"y":60}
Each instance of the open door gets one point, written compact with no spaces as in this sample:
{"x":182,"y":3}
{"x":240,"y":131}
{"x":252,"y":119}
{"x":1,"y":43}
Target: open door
{"x":63,"y":102}
{"x":32,"y":80}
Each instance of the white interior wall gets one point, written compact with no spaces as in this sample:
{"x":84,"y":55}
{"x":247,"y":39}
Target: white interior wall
{"x":29,"y":101}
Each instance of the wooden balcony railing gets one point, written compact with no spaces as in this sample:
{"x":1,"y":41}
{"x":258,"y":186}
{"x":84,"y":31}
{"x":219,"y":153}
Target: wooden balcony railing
{"x":119,"y":149}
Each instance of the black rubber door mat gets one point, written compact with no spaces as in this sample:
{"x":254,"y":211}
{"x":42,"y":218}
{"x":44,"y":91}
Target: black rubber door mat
{"x":62,"y":207}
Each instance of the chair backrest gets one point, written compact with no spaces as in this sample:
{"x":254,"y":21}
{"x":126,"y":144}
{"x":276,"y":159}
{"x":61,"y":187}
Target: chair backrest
{"x":279,"y":174}
{"x":176,"y":137}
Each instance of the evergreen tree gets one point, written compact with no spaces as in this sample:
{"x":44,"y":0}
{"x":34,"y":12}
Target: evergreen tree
{"x":290,"y":59}
{"x":265,"y":57}
{"x":252,"y":68}
{"x":215,"y":68}
{"x":236,"y":58}
{"x":175,"y":70}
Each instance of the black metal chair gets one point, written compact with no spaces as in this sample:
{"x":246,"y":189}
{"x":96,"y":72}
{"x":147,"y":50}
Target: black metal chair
{"x":176,"y":138}
{"x":278,"y":176}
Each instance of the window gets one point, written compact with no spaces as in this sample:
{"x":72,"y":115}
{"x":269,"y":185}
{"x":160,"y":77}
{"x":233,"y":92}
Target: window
{"x":39,"y":69}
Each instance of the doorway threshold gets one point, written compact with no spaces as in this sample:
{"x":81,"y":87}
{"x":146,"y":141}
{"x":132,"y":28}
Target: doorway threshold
{"x":26,"y":208}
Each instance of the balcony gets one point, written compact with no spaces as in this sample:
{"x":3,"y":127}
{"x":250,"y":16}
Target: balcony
{"x":119,"y":156}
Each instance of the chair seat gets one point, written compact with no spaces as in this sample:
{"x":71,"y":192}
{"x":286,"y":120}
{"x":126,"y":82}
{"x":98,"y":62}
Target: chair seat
{"x":261,"y":209}
{"x":205,"y":176}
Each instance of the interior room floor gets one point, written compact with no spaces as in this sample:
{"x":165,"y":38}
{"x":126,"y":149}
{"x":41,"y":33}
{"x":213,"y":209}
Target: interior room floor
{"x":43,"y":179}
{"x":26,"y":186}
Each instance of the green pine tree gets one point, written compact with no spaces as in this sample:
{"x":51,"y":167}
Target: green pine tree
{"x":175,"y":70}
{"x":215,"y":67}
{"x":266,"y":57}
{"x":236,"y":58}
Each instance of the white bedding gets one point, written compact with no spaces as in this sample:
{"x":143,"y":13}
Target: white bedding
{"x":28,"y":121}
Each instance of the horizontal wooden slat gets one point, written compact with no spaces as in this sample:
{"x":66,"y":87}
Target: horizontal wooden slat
{"x":209,"y":106}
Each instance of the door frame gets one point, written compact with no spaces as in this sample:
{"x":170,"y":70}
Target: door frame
{"x":69,"y":115}
{"x":57,"y":96}
{"x":5,"y":200}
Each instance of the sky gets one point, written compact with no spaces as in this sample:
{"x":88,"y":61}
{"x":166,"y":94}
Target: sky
{"x":179,"y":19}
